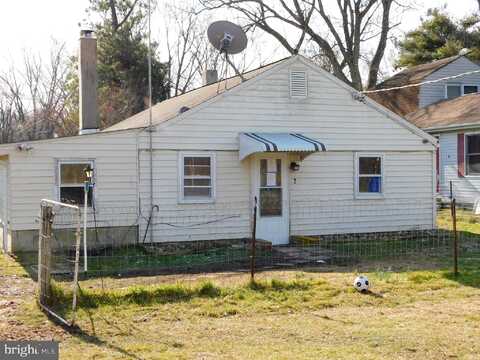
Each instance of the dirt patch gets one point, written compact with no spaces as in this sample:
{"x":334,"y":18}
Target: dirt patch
{"x":17,"y":294}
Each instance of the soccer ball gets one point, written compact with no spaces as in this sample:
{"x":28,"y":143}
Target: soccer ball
{"x":361,"y":283}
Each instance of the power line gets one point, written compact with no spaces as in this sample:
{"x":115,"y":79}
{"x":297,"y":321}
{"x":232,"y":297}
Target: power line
{"x":421,"y":83}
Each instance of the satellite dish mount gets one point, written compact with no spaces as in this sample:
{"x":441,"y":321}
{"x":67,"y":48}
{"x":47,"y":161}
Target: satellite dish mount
{"x":229,"y":39}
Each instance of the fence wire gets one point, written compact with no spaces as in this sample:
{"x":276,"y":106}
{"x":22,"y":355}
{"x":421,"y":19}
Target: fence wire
{"x":219,"y":237}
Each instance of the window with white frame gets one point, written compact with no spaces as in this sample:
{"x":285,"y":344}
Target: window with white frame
{"x":472,"y":154}
{"x":453,"y":91}
{"x":197,"y":177}
{"x":71,"y":182}
{"x":369,"y":174}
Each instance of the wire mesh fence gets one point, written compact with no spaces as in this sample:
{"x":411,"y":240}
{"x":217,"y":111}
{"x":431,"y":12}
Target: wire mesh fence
{"x":119,"y":242}
{"x":47,"y":266}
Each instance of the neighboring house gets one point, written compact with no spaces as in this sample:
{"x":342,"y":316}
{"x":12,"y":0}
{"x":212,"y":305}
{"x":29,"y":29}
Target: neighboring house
{"x":449,"y":110}
{"x":218,"y":147}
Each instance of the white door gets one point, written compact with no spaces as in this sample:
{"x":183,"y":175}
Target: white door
{"x":270,"y":186}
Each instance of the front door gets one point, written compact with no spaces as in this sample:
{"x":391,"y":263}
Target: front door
{"x":270,"y":186}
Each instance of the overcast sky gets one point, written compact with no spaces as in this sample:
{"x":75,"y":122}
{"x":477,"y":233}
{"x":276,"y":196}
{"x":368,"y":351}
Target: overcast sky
{"x":31,"y":24}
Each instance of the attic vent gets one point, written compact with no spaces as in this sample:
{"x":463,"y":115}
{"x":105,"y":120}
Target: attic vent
{"x":298,"y":84}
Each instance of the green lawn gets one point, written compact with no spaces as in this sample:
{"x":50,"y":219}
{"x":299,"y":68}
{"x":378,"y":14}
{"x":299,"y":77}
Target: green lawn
{"x":417,"y":310}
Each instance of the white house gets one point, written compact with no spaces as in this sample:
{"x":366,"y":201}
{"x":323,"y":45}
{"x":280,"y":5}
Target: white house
{"x":319,"y":158}
{"x":449,"y":109}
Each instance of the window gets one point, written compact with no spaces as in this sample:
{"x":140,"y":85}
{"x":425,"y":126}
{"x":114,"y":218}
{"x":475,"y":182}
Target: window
{"x":455,"y":90}
{"x":298,"y":84}
{"x":369,"y":177}
{"x":71,"y":182}
{"x":470,"y":89}
{"x":270,"y":187}
{"x":197,"y":177}
{"x":472,"y":154}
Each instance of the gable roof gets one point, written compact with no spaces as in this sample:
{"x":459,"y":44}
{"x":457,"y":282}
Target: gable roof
{"x":461,"y":110}
{"x":405,"y":101}
{"x":168,"y":109}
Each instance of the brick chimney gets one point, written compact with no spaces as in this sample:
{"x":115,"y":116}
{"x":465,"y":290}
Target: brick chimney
{"x":209,"y":77}
{"x":87,"y":74}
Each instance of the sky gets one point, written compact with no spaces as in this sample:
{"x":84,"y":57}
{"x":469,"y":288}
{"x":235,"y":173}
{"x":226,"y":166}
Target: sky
{"x":32,"y":24}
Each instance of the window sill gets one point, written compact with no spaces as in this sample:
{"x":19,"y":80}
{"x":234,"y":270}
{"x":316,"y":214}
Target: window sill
{"x":372,"y":196}
{"x":196,"y":201}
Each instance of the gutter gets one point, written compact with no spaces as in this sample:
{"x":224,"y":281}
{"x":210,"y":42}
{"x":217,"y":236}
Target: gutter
{"x":448,"y":128}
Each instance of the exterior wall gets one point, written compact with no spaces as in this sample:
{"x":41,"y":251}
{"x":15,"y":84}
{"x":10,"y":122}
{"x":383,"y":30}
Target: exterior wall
{"x":323,"y":200}
{"x":328,"y":114}
{"x":432,"y":93}
{"x":27,"y":240}
{"x":466,"y":189}
{"x":229,"y":215}
{"x":263,"y":104}
{"x":33,"y":176}
{"x":3,"y":204}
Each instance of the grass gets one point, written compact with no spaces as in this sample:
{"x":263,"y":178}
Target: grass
{"x":424,"y":314}
{"x":137,"y":258}
{"x":417,"y":310}
{"x":466,"y":221}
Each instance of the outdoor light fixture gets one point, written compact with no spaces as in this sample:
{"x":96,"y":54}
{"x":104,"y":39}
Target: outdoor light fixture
{"x":294,"y":166}
{"x":88,"y":171}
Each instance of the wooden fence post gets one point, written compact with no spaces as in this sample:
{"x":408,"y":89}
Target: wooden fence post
{"x":44,"y":253}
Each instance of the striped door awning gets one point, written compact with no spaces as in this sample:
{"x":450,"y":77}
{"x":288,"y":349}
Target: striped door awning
{"x":251,"y":143}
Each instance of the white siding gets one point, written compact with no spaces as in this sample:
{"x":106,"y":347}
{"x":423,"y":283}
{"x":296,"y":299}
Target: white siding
{"x":466,"y":189}
{"x":33,"y":176}
{"x":432,"y":93}
{"x":3,"y":203}
{"x":322,"y":197}
{"x":328,"y":114}
{"x":227,"y":218}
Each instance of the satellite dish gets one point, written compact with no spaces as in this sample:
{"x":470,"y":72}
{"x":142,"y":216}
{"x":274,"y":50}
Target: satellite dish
{"x":227,"y":37}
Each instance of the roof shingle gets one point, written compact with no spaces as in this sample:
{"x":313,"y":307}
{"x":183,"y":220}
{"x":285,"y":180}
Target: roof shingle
{"x":461,"y":110}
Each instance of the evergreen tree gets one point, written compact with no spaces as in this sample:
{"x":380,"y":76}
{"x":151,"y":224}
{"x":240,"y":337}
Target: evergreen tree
{"x":122,"y":61}
{"x":440,"y":36}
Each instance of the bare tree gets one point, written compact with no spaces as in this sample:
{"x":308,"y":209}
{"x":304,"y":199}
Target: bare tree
{"x":187,"y":49}
{"x":33,"y":98}
{"x":339,"y":29}
{"x":190,"y":53}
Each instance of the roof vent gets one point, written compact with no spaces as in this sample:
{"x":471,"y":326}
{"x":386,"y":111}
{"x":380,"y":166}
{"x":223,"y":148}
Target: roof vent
{"x":183,"y":109}
{"x":298,"y":84}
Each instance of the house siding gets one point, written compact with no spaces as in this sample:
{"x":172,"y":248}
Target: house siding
{"x":328,"y":114}
{"x":228,"y":217}
{"x":466,"y":189}
{"x":323,"y":199}
{"x":33,"y":176}
{"x":432,"y":93}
